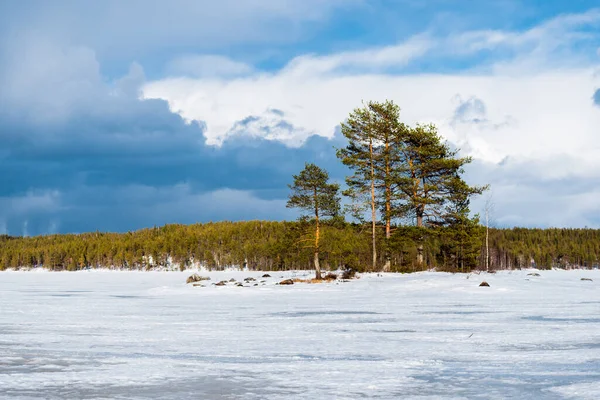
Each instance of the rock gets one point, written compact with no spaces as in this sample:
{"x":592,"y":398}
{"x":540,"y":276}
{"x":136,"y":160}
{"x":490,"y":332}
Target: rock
{"x":196,"y":278}
{"x":239,"y":284}
{"x":286,"y":282}
{"x":348,"y":274}
{"x":330,"y":277}
{"x":484,"y":283}
{"x":587,"y":279}
{"x":198,"y":284}
{"x":249,"y":280}
{"x":222,"y":283}
{"x":266,"y":276}
{"x":232,"y":280}
{"x":256,"y":284}
{"x":533,"y":274}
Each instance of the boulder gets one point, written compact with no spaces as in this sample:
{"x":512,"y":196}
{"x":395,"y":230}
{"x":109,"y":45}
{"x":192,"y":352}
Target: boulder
{"x":232,"y":280}
{"x":222,"y":283}
{"x":266,"y":276}
{"x":533,"y":274}
{"x":196,"y":278}
{"x":586,"y":279}
{"x":249,"y":280}
{"x":348,"y":274}
{"x":239,"y":284}
{"x":330,"y":277}
{"x":484,"y":283}
{"x":198,"y":284}
{"x":286,"y":282}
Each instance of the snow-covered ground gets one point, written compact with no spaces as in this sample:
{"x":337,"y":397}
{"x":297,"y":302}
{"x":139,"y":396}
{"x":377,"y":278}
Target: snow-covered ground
{"x":101,"y":334}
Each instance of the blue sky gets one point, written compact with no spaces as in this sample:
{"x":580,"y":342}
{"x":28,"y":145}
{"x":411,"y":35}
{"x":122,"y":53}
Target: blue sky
{"x":118,"y":115}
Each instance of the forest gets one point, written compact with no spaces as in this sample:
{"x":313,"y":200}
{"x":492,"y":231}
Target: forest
{"x":269,"y":245}
{"x":407,"y":206}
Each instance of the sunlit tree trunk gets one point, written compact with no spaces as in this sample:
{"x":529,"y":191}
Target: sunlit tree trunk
{"x":373,"y":209}
{"x":317,"y":234}
{"x":388,"y":209}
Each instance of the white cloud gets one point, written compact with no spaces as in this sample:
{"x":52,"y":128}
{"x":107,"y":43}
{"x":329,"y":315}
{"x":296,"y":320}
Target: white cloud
{"x":369,"y":60}
{"x":527,"y":116}
{"x":531,"y":116}
{"x":532,"y":107}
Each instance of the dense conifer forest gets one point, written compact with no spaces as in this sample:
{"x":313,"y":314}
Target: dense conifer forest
{"x":268,"y":245}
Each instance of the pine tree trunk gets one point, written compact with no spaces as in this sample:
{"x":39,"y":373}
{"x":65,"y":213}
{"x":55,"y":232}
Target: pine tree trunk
{"x":317,"y":266}
{"x":420,"y":244}
{"x":388,"y":262}
{"x":317,"y":234}
{"x":388,"y":211}
{"x":487,"y":241}
{"x":373,"y":210}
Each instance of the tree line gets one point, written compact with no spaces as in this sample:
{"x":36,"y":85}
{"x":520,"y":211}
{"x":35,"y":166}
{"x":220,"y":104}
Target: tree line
{"x":271,"y":245}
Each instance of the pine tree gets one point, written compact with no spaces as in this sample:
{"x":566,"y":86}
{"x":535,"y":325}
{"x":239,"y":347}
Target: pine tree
{"x":312,"y":193}
{"x":461,"y":234}
{"x":373,"y":132}
{"x":431,"y":177}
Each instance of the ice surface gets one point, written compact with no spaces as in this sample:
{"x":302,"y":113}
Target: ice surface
{"x":102,"y":334}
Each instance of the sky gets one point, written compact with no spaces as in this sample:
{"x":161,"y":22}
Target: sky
{"x":120,"y":115}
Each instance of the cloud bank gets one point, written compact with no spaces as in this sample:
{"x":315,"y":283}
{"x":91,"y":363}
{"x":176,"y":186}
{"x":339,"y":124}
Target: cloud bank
{"x":208,"y":132}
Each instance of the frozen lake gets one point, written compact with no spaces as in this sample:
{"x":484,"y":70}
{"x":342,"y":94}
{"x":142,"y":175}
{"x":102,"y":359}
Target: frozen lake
{"x":138,"y":335}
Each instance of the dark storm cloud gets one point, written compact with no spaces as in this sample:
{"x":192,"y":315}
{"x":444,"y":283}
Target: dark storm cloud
{"x":78,"y":153}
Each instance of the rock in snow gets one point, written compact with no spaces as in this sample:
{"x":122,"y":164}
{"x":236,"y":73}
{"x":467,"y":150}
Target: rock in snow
{"x":484,"y":283}
{"x":196,"y":278}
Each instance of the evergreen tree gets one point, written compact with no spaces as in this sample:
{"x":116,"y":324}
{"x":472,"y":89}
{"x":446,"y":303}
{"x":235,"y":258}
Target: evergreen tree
{"x":312,"y":193}
{"x":430,"y":177}
{"x":461,"y":234}
{"x":373,"y":134}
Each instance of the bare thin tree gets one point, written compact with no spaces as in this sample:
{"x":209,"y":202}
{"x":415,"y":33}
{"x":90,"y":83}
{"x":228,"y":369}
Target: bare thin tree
{"x":488,"y":209}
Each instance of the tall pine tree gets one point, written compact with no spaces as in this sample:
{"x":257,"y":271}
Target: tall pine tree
{"x":373,"y":132}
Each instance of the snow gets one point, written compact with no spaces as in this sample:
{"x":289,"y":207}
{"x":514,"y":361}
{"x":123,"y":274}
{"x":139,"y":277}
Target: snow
{"x":107,"y":334}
